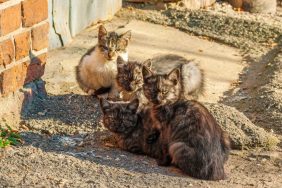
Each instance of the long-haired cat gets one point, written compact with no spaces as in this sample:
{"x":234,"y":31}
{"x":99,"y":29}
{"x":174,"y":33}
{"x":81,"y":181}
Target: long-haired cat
{"x":131,"y":127}
{"x":130,"y":80}
{"x":193,"y":141}
{"x":184,"y":82}
{"x":187,"y":130}
{"x":97,"y":68}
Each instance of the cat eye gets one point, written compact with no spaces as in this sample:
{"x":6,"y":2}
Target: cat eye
{"x":105,"y":47}
{"x":164,"y":91}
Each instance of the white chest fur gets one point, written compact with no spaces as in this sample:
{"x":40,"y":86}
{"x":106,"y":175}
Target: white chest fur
{"x":97,"y":72}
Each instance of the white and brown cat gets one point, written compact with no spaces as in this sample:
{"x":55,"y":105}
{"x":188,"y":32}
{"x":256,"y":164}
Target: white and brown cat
{"x":97,"y":69}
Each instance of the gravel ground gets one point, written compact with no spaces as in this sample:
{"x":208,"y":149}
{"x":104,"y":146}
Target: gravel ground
{"x":220,"y":22}
{"x":61,"y":161}
{"x":65,"y":145}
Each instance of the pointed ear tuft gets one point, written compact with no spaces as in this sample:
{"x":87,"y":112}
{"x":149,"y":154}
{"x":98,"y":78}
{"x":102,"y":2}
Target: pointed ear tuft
{"x":104,"y":104}
{"x":133,"y":105}
{"x":148,"y":63}
{"x":174,"y":75}
{"x":146,"y":72}
{"x":102,"y":32}
{"x":126,"y":35}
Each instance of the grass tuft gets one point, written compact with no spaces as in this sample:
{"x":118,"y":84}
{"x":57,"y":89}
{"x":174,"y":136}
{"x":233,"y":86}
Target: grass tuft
{"x":8,"y":137}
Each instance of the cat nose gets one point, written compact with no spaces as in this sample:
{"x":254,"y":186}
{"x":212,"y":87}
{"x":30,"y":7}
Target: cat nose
{"x":111,"y":54}
{"x":159,"y":97}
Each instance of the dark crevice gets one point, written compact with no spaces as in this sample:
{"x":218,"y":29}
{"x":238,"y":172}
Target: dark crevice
{"x":53,"y":24}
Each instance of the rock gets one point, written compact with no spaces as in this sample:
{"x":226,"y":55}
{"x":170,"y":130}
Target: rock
{"x":255,"y":6}
{"x":236,"y":152}
{"x":251,"y":159}
{"x":236,"y":3}
{"x":137,"y":1}
{"x":160,"y":6}
{"x":197,"y":4}
{"x":243,"y":133}
{"x":268,"y":155}
{"x":263,"y":6}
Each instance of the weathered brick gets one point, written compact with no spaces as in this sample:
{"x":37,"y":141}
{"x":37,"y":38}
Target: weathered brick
{"x":35,"y":68}
{"x":7,"y":52}
{"x":22,"y":44}
{"x":11,"y":79}
{"x":39,"y":37}
{"x":10,"y":19}
{"x":34,"y":11}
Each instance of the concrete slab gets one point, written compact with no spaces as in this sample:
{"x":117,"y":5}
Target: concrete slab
{"x":222,"y":64}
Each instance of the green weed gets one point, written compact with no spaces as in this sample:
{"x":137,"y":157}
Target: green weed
{"x":8,"y":137}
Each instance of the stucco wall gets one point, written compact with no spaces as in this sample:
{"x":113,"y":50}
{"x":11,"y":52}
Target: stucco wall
{"x":68,"y":17}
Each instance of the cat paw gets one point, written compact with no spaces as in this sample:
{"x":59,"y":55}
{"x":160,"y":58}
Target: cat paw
{"x":104,"y":96}
{"x":91,"y":92}
{"x":164,"y":161}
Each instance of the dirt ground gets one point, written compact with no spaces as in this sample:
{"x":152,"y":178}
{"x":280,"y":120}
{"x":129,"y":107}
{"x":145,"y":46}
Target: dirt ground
{"x":65,"y":144}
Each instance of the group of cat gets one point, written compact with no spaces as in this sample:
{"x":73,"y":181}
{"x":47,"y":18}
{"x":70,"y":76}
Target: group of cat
{"x":154,"y":113}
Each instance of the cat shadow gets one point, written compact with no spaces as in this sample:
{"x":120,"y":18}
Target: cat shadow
{"x":61,"y":113}
{"x":97,"y":153}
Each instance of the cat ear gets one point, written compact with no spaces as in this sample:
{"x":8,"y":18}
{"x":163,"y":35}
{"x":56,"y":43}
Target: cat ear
{"x":133,"y":105}
{"x":174,"y":75}
{"x":120,"y":61}
{"x":148,"y":63}
{"x":146,"y":72}
{"x":104,"y":104}
{"x":102,"y":32}
{"x":124,"y":39}
{"x":126,"y":35}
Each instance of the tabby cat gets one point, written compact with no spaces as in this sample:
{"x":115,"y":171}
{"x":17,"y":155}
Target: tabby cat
{"x":191,"y":139}
{"x":189,"y":136}
{"x":184,"y":82}
{"x":130,"y":80}
{"x":188,"y":132}
{"x":130,"y":127}
{"x":97,"y":68}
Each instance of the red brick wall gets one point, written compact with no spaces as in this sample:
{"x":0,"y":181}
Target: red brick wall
{"x":23,"y":42}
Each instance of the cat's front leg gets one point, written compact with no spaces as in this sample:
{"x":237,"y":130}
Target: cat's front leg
{"x":103,"y":96}
{"x":164,"y":159}
{"x":91,"y":92}
{"x":114,"y":93}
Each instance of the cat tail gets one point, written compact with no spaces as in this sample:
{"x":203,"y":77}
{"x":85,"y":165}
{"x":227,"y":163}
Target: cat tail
{"x":193,"y":80}
{"x":197,"y":164}
{"x":183,"y":157}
